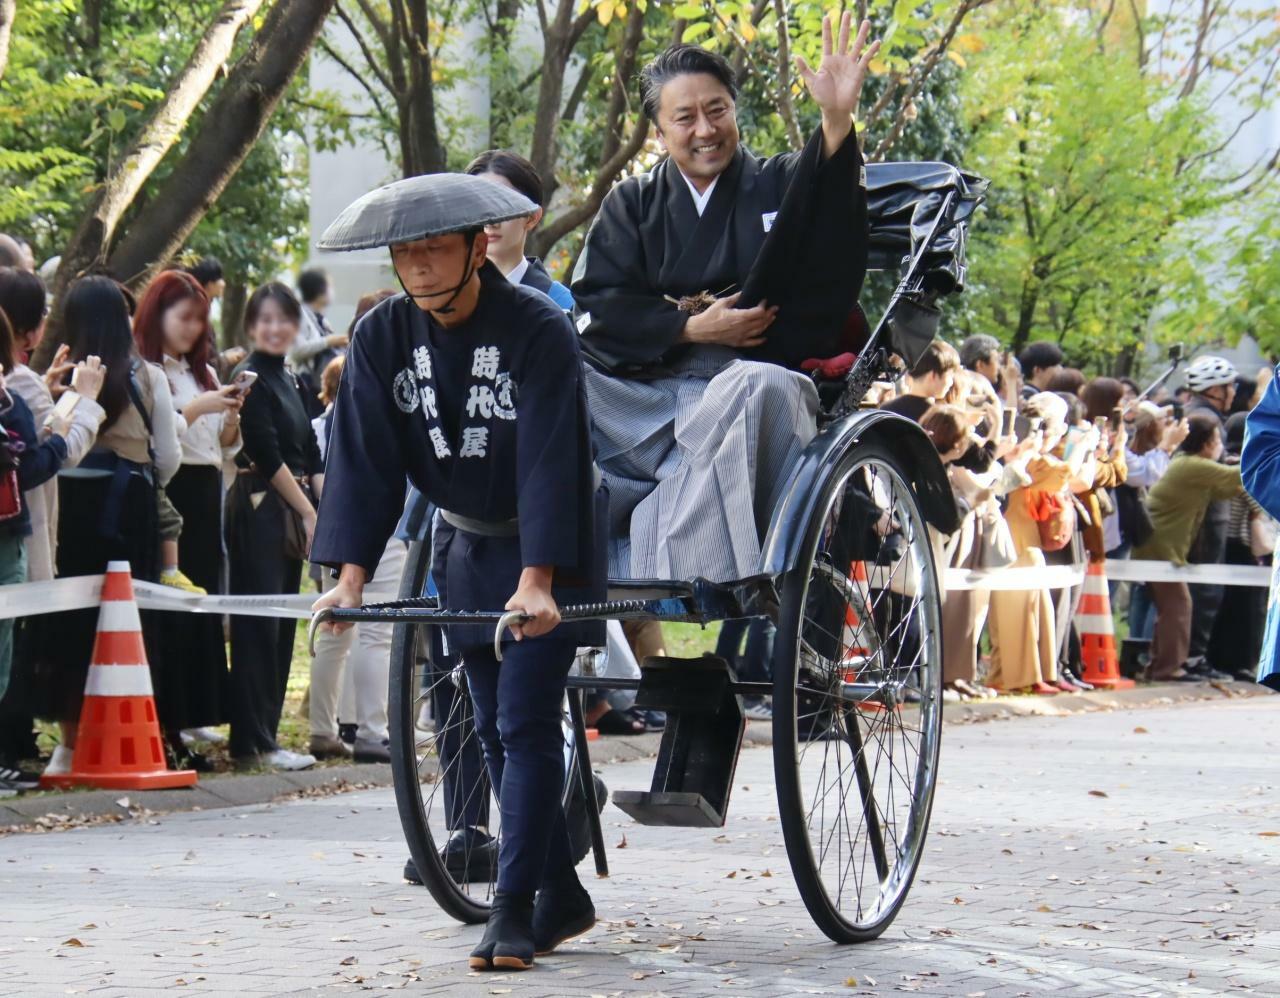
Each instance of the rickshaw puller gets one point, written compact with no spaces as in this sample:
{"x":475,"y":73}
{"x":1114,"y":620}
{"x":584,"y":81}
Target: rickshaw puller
{"x":472,"y":388}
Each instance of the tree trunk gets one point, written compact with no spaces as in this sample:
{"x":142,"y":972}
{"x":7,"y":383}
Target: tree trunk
{"x":93,"y":236}
{"x":228,"y":133}
{"x":1026,"y":313}
{"x":7,"y":10}
{"x":234,"y":299}
{"x":504,"y":19}
{"x":425,"y":153}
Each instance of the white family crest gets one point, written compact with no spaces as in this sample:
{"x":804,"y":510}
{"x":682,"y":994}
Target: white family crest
{"x":505,"y":391}
{"x":405,"y":391}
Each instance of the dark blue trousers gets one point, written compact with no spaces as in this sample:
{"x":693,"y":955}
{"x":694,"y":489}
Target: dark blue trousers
{"x":518,"y":707}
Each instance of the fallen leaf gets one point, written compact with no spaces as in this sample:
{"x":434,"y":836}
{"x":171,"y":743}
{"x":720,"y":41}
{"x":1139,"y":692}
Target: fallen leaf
{"x":623,"y":843}
{"x":850,"y":982}
{"x":73,"y":941}
{"x":122,"y":801}
{"x":1269,"y":835}
{"x":349,"y":961}
{"x":1097,"y":793}
{"x":1140,"y":730}
{"x":1044,"y":907}
{"x":731,"y":874}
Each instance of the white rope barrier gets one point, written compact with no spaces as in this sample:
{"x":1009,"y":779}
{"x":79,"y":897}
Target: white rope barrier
{"x":85,"y":591}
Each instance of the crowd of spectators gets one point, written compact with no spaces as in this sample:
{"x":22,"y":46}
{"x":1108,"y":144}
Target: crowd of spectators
{"x":1051,"y":468}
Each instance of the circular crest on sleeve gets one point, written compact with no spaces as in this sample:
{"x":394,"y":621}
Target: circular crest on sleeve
{"x":419,"y":207}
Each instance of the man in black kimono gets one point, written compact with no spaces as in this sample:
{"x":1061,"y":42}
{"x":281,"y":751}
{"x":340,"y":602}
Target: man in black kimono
{"x":702,"y":284}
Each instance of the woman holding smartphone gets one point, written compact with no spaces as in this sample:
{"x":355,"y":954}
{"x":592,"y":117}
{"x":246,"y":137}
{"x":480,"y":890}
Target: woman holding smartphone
{"x":171,"y":329}
{"x":270,"y":520}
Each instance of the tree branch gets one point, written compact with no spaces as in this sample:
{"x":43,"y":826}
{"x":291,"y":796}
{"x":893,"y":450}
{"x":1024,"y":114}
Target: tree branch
{"x":785,"y":107}
{"x":333,"y":54}
{"x":125,"y":178}
{"x":367,"y":52}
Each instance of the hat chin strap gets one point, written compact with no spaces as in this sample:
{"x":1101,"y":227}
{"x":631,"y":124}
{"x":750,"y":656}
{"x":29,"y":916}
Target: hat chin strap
{"x":453,"y":292}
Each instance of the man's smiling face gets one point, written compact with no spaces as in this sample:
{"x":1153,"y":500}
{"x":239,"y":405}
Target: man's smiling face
{"x":698,"y":126}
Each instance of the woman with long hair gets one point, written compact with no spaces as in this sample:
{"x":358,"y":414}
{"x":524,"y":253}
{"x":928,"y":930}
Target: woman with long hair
{"x":271,"y":518}
{"x":108,"y":503}
{"x":171,"y":329}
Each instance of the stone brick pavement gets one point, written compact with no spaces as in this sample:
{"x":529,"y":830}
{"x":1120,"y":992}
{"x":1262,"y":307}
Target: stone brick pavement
{"x":1167,"y":885}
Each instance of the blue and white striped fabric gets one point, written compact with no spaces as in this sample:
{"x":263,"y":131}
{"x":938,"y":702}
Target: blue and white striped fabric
{"x":696,"y":461}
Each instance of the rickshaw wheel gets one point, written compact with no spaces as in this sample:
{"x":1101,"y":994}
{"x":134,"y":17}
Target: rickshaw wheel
{"x":440,"y":780}
{"x":857,"y":708}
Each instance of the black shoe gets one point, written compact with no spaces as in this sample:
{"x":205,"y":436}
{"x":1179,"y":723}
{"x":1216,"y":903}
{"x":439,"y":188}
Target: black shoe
{"x":560,"y":914}
{"x":471,"y":856}
{"x":347,"y":732}
{"x":16,"y":779}
{"x":411,"y":872}
{"x":1201,"y":669}
{"x":508,"y":935}
{"x":1245,"y":675}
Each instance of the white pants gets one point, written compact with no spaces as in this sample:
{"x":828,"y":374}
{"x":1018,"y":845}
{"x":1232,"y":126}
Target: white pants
{"x":356,"y":665}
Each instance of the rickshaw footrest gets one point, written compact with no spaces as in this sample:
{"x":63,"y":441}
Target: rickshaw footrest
{"x":686,"y":810}
{"x":700,"y":743}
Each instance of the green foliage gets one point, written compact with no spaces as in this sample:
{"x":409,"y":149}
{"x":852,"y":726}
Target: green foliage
{"x":75,"y":94}
{"x":1097,"y":174}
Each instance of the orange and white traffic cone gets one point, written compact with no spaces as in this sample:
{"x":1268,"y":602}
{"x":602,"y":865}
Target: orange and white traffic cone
{"x":118,"y":744}
{"x":1101,"y":664}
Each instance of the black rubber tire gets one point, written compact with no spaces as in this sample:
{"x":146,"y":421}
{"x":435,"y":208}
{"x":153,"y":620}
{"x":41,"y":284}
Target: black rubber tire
{"x":402,"y":706}
{"x":786,"y":664}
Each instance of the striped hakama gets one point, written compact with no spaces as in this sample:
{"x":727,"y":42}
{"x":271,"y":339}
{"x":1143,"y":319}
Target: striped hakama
{"x":696,"y":461}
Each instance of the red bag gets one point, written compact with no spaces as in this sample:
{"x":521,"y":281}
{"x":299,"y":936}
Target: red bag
{"x":11,"y":448}
{"x":1054,"y":519}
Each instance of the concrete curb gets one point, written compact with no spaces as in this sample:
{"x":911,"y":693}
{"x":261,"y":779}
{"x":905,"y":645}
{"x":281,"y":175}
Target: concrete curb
{"x":236,"y":790}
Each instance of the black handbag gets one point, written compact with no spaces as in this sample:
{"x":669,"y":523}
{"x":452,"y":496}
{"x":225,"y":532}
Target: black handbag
{"x":1135,"y":522}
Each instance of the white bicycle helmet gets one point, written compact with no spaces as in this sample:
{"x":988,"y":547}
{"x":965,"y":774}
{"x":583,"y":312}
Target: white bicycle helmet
{"x":1210,"y":372}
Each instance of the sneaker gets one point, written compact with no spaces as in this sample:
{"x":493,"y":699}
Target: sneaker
{"x":758,"y":710}
{"x":1201,"y":669}
{"x":174,"y":579}
{"x":284,"y":759}
{"x":411,"y":872}
{"x":60,"y":761}
{"x":329,"y":747}
{"x":16,"y":779}
{"x":211,"y":736}
{"x":369,"y":750}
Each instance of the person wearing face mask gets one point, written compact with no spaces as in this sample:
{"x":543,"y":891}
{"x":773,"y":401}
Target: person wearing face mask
{"x":694,"y":274}
{"x":271,"y":519}
{"x":171,"y":330}
{"x":1177,"y":505}
{"x":507,"y":239}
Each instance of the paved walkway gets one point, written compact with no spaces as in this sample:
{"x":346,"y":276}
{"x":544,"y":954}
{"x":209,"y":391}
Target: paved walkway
{"x":1133,"y":852}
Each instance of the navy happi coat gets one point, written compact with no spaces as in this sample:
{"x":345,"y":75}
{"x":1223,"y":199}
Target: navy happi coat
{"x":487,"y":419}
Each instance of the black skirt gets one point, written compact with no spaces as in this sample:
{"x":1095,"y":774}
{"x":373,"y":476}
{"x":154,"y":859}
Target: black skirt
{"x":193,"y":694}
{"x":62,"y":643}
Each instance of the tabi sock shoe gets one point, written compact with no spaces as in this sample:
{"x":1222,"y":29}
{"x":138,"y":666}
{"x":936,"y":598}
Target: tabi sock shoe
{"x":561,"y":912}
{"x":508,"y":935}
{"x":60,"y":761}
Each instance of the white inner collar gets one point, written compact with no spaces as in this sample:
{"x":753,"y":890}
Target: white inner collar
{"x":516,"y":275}
{"x":700,"y":200}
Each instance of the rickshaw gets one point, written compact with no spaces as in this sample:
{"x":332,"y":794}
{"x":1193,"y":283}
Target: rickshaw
{"x":848,"y":581}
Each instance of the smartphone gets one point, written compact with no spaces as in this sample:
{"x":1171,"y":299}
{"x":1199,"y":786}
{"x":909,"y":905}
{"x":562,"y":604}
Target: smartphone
{"x":1117,"y":415}
{"x":1100,"y":424}
{"x":1006,"y":422}
{"x":1177,"y":410}
{"x":1036,"y":422}
{"x":242,"y":382}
